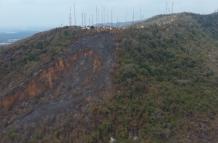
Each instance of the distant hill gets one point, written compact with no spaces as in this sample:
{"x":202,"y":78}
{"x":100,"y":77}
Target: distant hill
{"x":154,"y":81}
{"x":11,"y":37}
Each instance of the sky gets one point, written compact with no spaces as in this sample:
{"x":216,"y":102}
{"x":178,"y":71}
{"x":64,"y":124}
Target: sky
{"x":27,"y":14}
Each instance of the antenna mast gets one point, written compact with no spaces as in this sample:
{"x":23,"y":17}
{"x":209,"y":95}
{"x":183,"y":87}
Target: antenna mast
{"x":96,"y":10}
{"x":102,"y":15}
{"x":172,"y":6}
{"x":117,"y":20}
{"x":166,"y":7}
{"x":133,"y":16}
{"x":92,"y":18}
{"x":74,"y":7}
{"x":111,"y":18}
{"x":89,"y":20}
{"x":85,"y":19}
{"x":70,"y":18}
{"x":82,"y":19}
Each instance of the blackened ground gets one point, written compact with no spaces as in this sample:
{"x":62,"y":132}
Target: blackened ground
{"x":85,"y":78}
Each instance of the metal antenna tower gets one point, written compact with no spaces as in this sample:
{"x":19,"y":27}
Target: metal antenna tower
{"x":107,"y":15}
{"x":75,"y":21}
{"x":111,"y":18}
{"x":92,"y":18}
{"x":70,"y":17}
{"x":140,"y":13}
{"x":85,"y":19}
{"x":96,"y":14}
{"x":133,"y":16}
{"x":82,"y":19}
{"x":117,"y":20}
{"x":102,"y":15}
{"x":166,"y":7}
{"x":172,"y":6}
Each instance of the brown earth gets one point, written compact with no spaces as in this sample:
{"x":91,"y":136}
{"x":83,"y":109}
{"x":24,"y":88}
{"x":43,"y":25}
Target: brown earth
{"x":61,"y":91}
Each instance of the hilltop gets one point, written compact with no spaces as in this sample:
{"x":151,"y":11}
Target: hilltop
{"x":152,"y":82}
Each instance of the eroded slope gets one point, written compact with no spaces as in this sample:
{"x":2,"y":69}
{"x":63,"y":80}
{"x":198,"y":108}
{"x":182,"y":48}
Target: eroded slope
{"x":60,"y":92}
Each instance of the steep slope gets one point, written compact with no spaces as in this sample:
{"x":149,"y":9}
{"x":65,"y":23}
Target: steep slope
{"x":166,"y":83}
{"x":56,"y":94}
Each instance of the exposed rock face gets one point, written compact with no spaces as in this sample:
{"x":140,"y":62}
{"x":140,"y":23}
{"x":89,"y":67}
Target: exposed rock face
{"x":44,"y":80}
{"x":62,"y":88}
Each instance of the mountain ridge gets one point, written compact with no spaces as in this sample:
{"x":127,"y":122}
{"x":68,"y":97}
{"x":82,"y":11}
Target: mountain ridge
{"x":154,"y":81}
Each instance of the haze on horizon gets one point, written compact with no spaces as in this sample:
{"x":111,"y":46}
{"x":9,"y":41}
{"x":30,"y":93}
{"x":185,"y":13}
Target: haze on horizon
{"x":26,"y":14}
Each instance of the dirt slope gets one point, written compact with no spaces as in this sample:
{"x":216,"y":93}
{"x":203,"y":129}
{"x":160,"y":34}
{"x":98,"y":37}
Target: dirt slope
{"x":60,"y":91}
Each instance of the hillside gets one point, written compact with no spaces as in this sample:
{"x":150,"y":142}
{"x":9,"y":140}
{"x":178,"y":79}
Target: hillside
{"x":154,"y":82}
{"x":166,"y":84}
{"x":50,"y":79}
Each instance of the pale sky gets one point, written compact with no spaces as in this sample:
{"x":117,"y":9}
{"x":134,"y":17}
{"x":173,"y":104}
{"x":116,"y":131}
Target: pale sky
{"x":54,"y":13}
